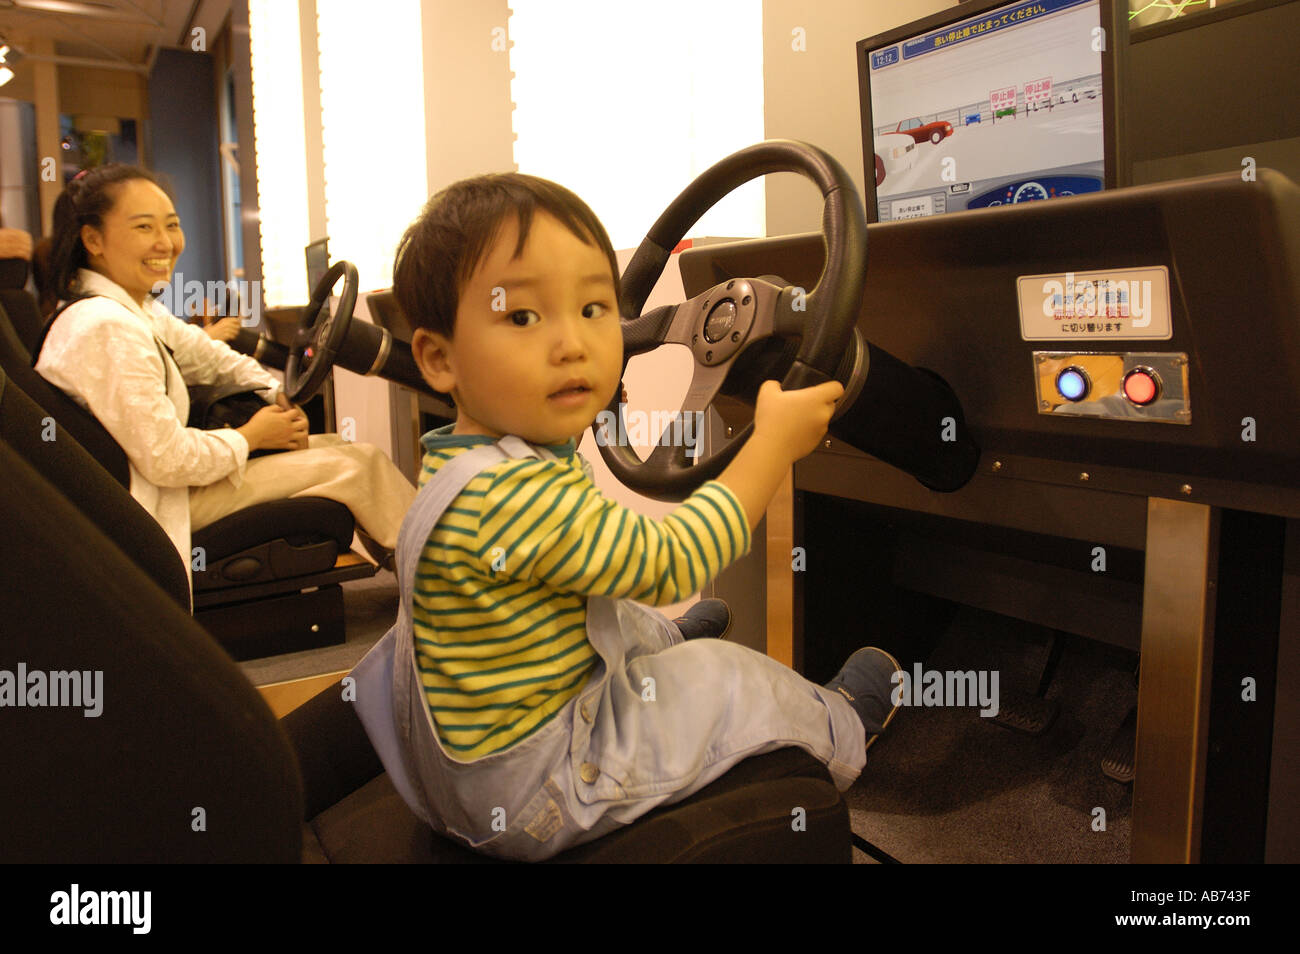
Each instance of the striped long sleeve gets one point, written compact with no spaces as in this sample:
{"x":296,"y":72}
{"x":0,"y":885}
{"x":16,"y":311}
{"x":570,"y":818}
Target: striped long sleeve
{"x":500,"y":592}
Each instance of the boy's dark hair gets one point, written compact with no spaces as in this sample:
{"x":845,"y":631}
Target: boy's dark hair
{"x":84,"y":202}
{"x":441,"y":249}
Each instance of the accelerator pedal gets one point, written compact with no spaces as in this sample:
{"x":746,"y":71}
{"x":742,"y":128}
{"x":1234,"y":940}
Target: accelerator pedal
{"x":1118,"y":761}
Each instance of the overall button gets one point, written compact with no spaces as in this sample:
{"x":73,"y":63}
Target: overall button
{"x":588,"y":773}
{"x":585,"y":711}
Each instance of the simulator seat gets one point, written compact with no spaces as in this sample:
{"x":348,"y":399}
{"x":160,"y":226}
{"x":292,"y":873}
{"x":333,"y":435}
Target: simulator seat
{"x":265,"y":578}
{"x":184,"y":762}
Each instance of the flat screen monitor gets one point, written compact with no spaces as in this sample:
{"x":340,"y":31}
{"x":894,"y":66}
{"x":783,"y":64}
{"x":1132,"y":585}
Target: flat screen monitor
{"x":989,"y":104}
{"x":318,"y":262}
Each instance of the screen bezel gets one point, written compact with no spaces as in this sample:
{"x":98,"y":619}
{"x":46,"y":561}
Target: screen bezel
{"x":1113,"y":15}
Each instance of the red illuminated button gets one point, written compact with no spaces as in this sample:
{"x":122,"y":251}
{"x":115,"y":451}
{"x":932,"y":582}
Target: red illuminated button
{"x":1141,"y":386}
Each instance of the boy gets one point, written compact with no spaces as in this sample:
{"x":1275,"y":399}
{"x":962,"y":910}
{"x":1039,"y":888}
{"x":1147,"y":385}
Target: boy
{"x":544,"y":707}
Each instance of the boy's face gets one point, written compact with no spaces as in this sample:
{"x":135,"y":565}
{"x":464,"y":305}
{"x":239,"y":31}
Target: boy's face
{"x":538,"y":349}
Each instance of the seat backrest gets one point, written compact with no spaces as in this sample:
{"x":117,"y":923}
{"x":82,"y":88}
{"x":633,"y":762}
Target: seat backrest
{"x":16,"y":360}
{"x":24,"y":312}
{"x":60,"y":459}
{"x":162,"y":750}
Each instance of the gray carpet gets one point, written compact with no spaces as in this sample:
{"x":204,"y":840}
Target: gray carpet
{"x":945,"y":785}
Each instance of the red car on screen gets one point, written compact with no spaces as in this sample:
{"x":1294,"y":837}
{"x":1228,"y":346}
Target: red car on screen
{"x":935,"y":132}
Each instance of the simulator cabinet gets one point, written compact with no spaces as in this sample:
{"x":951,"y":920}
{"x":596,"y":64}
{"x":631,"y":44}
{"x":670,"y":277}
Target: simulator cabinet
{"x":1129,"y":363}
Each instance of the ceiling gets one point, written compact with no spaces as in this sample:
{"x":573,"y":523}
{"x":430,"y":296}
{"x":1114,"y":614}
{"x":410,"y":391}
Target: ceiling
{"x":117,"y":34}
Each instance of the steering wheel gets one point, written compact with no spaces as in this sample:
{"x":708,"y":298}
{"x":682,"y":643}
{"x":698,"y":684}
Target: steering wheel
{"x":316,"y":343}
{"x":720,"y":323}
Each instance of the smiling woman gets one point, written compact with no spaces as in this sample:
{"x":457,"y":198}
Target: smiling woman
{"x":121,"y":355}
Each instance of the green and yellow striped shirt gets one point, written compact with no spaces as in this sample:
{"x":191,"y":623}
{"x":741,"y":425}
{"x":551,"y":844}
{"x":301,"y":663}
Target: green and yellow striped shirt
{"x":500,"y":609}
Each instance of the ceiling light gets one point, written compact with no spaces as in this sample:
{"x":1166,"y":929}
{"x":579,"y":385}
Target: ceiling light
{"x":9,"y":57}
{"x":68,"y":6}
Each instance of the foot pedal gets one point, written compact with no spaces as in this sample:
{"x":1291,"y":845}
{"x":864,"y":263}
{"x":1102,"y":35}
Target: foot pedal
{"x":1118,"y":760}
{"x":1025,"y":713}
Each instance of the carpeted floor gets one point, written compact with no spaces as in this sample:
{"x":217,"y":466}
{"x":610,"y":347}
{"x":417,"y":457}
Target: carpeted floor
{"x":945,"y":785}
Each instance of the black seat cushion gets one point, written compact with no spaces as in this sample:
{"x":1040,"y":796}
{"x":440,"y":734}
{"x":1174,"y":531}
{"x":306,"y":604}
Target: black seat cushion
{"x":297,"y":519}
{"x":746,"y":816}
{"x":354,"y":814}
{"x":182,"y":738}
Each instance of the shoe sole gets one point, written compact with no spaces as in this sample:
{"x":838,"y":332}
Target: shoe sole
{"x":892,"y":712}
{"x":731,"y":618}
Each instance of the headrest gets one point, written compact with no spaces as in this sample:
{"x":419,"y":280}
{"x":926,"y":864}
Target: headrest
{"x":13,"y":271}
{"x":15,"y":257}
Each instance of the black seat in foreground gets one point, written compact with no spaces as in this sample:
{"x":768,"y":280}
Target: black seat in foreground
{"x":267,"y":581}
{"x":747,"y":816}
{"x":184,"y":761}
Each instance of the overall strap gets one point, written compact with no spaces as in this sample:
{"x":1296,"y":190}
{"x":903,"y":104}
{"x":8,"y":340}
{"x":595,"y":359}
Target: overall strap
{"x":389,"y":699}
{"x":436,"y":496}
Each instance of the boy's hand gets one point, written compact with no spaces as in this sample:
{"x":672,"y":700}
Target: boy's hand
{"x":794,"y":422}
{"x":787,"y":426}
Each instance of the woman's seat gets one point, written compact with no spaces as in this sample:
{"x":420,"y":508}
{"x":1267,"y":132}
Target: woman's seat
{"x":265,"y":579}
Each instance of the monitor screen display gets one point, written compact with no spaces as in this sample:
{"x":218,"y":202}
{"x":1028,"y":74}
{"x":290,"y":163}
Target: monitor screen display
{"x":992,"y":109}
{"x":318,"y":262}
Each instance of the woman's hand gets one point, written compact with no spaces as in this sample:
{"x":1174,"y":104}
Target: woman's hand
{"x":223,"y":329}
{"x":275,"y":427}
{"x":282,"y":401}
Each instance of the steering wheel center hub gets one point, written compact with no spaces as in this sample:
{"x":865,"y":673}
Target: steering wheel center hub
{"x":720,"y":321}
{"x":723,"y":319}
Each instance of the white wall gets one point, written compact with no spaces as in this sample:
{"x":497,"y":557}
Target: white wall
{"x":812,"y":94}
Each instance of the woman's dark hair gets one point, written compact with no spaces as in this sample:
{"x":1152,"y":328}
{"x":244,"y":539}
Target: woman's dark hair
{"x":441,"y":249}
{"x":84,"y":202}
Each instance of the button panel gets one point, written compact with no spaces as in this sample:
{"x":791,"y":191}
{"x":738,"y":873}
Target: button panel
{"x":1123,"y":385}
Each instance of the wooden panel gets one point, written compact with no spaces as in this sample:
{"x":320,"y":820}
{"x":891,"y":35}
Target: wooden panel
{"x":780,"y":584}
{"x":284,"y":697}
{"x":1173,"y":697}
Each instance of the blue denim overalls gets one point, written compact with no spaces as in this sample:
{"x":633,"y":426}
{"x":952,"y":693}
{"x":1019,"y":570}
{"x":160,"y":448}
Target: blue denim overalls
{"x":658,"y":720}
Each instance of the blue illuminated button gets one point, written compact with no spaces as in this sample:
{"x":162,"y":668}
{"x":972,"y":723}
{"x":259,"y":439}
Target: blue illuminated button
{"x":1073,"y":384}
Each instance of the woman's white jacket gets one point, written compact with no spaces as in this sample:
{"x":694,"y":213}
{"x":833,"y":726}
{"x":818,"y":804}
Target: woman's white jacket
{"x":102,"y":353}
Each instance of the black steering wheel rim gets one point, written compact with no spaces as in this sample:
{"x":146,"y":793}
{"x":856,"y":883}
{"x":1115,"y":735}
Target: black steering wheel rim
{"x":323,"y":334}
{"x":829,"y":310}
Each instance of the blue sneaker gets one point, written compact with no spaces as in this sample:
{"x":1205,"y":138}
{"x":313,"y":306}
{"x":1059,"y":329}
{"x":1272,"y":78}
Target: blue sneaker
{"x":866,"y":681}
{"x":707,"y":619}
